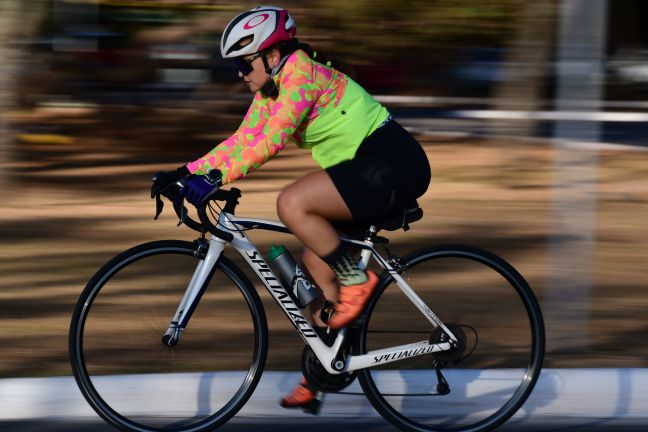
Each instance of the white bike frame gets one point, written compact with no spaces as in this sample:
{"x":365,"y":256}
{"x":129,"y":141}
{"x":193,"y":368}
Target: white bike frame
{"x":328,"y":356}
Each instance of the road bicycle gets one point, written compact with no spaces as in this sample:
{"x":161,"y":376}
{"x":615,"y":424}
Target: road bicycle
{"x":172,"y":335}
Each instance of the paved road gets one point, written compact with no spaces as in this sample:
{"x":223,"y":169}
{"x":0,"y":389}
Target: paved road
{"x":563,"y":400}
{"x":326,"y":424}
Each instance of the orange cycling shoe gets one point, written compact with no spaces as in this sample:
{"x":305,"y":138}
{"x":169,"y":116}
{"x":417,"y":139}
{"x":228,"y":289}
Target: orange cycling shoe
{"x":352,"y":300}
{"x":302,"y":397}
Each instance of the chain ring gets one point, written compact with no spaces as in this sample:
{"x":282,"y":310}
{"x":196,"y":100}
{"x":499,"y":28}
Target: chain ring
{"x":319,"y":378}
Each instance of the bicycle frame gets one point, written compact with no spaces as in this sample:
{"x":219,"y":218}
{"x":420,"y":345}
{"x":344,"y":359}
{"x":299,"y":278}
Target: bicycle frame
{"x":328,"y":356}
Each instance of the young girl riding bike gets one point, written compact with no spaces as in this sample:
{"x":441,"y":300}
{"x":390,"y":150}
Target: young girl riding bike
{"x":370,"y":165}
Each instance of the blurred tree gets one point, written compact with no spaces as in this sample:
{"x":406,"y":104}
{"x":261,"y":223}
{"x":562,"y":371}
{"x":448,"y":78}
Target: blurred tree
{"x":408,"y":47}
{"x":527,"y":67}
{"x":18,"y":22}
{"x":386,"y":26}
{"x":7,"y":11}
{"x":394,"y":47}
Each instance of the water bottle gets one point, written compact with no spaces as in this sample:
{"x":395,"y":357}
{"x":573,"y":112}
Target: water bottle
{"x":300,"y":289}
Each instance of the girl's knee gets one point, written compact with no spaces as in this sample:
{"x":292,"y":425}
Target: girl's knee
{"x":289,"y":203}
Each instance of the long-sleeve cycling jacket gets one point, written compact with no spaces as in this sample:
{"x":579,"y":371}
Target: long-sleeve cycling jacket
{"x":317,"y":107}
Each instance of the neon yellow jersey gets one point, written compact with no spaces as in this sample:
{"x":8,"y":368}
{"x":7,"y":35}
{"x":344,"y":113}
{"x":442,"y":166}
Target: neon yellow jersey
{"x":318,"y":107}
{"x":336,"y":133}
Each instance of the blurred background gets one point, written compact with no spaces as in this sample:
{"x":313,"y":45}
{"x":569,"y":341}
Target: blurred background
{"x":534,"y":116}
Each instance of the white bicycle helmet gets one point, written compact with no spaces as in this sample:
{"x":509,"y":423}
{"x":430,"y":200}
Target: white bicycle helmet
{"x":267,"y":25}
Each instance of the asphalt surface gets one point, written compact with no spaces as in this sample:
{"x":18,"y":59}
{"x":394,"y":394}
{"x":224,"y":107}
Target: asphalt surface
{"x":563,"y":400}
{"x":326,"y":424}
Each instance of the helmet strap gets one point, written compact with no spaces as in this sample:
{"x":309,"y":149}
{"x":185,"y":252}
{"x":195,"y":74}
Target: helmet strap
{"x":268,"y":69}
{"x":270,"y":88}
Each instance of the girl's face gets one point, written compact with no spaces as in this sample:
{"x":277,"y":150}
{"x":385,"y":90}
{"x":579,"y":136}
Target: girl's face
{"x":252,"y":69}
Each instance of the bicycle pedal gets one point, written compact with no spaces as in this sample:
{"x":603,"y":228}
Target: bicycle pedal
{"x":313,"y":407}
{"x":327,"y":311}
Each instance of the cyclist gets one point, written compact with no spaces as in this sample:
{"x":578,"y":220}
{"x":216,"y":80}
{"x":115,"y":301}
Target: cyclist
{"x":369,"y":164}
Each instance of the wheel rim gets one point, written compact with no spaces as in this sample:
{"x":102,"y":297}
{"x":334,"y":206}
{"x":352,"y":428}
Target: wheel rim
{"x":488,"y":386}
{"x":135,"y":382}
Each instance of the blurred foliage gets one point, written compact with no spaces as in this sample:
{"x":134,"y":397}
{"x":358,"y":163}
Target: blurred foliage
{"x":358,"y":27}
{"x":394,"y":47}
{"x":422,"y":47}
{"x":411,"y":47}
{"x":389,"y":26}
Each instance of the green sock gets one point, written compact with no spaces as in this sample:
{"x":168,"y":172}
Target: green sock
{"x":345,"y":268}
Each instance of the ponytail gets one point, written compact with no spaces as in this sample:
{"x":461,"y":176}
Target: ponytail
{"x":327,"y":59}
{"x":320,"y":57}
{"x":317,"y":55}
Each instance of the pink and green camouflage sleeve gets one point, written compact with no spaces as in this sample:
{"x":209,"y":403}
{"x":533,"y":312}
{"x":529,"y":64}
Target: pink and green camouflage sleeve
{"x":267,"y":126}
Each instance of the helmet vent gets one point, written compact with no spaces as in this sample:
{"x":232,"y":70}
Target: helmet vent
{"x":245,"y":41}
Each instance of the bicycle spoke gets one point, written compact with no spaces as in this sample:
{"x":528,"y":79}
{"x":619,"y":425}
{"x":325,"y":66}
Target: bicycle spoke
{"x":135,"y":380}
{"x":482,"y":380}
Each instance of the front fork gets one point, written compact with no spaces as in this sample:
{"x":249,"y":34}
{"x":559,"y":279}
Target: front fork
{"x":208,"y":253}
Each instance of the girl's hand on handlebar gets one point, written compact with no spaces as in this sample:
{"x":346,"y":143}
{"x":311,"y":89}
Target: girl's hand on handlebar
{"x":163,"y":181}
{"x":199,"y":189}
{"x":178,"y":187}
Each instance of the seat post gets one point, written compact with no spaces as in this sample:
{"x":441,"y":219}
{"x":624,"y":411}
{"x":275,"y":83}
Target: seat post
{"x":365,"y":255}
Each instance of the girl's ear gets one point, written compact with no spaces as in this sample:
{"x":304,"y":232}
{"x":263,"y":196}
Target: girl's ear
{"x":276,"y":56}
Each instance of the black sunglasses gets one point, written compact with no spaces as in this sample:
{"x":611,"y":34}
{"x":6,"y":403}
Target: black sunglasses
{"x":245,"y":65}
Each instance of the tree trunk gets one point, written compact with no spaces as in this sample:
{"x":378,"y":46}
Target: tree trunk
{"x":7,"y":72}
{"x":526,"y":67}
{"x":581,"y":57}
{"x":18,"y":20}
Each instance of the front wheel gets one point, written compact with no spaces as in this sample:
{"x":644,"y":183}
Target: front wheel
{"x":486,"y":378}
{"x":139,"y":380}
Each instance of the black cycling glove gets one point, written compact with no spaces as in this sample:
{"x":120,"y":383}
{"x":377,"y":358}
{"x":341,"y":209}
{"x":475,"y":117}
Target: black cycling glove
{"x":202,"y":187}
{"x":162,"y":185}
{"x":162,"y":180}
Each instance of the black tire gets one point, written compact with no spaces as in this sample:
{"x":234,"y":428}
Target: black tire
{"x":491,"y":304}
{"x":137,"y":383}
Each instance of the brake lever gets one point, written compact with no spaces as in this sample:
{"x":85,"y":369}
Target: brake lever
{"x":155,"y":193}
{"x":159,"y":206}
{"x":176,"y":192}
{"x":179,"y":207}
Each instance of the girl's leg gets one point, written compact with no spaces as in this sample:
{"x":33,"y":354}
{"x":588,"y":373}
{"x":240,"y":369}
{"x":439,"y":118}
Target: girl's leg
{"x":325,"y":279}
{"x":306,"y":207}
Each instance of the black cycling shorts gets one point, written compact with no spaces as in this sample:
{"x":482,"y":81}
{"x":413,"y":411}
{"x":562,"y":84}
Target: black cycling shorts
{"x":389,"y":171}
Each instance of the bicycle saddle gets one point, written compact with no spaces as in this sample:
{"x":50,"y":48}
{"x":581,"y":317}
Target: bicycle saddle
{"x":399,"y":219}
{"x":391,"y":221}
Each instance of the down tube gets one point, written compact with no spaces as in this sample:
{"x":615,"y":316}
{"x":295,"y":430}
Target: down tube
{"x":278,"y":292}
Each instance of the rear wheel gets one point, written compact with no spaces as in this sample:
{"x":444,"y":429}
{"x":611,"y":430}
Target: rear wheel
{"x":487,"y":377}
{"x":124,"y":365}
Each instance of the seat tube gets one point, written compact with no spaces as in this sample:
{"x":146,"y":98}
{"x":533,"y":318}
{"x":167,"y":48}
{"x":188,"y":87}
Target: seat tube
{"x":365,"y":255}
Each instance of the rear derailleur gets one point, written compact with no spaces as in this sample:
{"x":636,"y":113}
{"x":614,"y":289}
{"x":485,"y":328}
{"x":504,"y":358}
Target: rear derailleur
{"x":453,"y":356}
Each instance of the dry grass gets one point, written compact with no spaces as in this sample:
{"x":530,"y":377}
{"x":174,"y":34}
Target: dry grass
{"x":75,"y":205}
